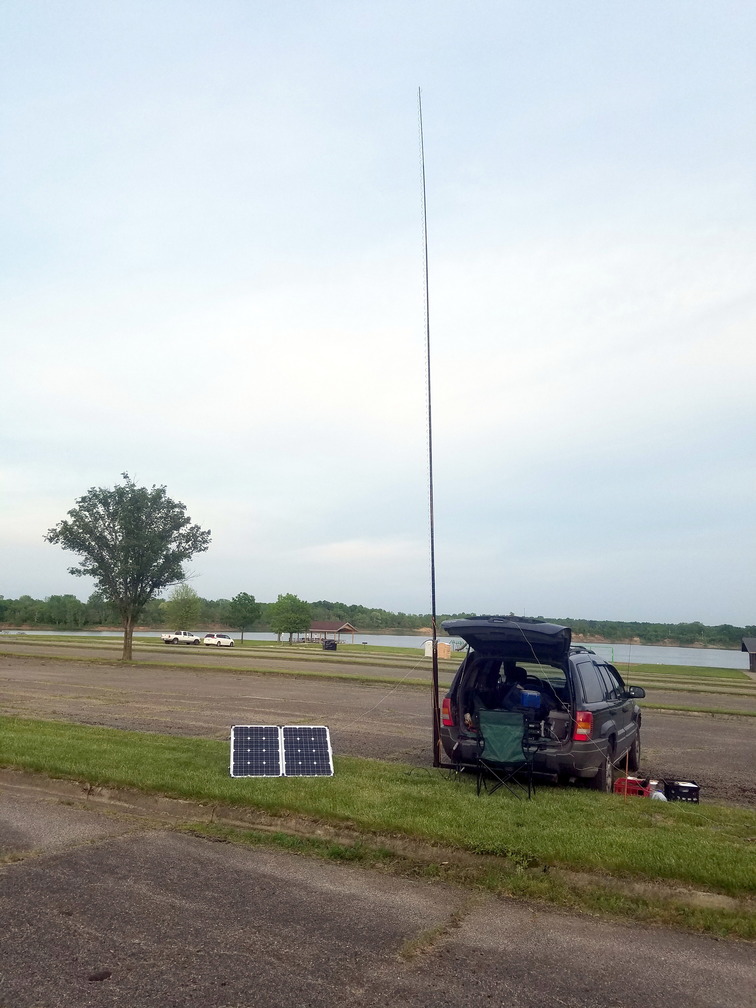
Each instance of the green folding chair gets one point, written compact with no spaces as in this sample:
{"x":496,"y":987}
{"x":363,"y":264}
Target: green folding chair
{"x":504,"y":754}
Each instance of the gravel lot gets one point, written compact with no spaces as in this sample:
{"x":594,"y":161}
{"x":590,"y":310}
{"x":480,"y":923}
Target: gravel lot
{"x":717,"y":751}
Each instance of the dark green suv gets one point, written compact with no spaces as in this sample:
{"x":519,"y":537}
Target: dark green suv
{"x":587,"y":720}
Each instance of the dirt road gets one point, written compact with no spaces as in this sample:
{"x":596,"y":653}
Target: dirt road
{"x":366,"y":720}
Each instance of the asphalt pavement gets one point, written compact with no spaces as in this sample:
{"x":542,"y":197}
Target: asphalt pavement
{"x":115,"y":911}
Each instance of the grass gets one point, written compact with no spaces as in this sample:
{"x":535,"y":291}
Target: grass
{"x":698,"y":710}
{"x":633,"y":671}
{"x":214,"y":667}
{"x":664,"y":687}
{"x":500,"y":879}
{"x":707,"y":847}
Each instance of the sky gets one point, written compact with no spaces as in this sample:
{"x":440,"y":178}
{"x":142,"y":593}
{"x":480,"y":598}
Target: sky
{"x":212,"y":278}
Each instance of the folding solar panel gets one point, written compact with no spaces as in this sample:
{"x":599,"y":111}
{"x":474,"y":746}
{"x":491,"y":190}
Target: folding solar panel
{"x":274,"y":751}
{"x":255,"y":751}
{"x":307,"y":751}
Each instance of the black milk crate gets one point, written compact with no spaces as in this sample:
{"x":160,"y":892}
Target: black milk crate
{"x":681,"y":791}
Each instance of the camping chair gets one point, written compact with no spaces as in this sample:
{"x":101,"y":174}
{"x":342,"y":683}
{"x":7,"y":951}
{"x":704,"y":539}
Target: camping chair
{"x":504,"y":751}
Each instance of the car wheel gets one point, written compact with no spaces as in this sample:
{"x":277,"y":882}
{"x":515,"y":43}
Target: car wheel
{"x":195,"y":642}
{"x":219,"y":644}
{"x":634,"y":754}
{"x":231,"y":644}
{"x":604,"y":779}
{"x":175,"y":640}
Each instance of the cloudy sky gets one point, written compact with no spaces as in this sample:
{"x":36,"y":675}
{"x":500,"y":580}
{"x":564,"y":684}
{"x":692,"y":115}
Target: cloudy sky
{"x":212,"y":278}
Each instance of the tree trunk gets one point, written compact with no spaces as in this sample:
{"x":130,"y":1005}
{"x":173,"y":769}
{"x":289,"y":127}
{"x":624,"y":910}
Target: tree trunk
{"x":242,"y":635}
{"x":128,"y":633}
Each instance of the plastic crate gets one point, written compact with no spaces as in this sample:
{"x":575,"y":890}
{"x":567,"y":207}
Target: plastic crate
{"x":682,"y":791}
{"x":632,"y":786}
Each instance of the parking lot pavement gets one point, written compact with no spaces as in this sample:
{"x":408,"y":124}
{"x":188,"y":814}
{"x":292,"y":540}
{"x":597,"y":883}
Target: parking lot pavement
{"x":174,"y":920}
{"x":36,"y":822}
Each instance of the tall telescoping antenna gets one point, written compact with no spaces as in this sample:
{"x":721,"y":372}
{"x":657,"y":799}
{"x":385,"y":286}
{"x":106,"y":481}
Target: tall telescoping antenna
{"x":432,"y":538}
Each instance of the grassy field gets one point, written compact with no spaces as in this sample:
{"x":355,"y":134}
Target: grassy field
{"x":410,"y":662}
{"x":704,"y":847}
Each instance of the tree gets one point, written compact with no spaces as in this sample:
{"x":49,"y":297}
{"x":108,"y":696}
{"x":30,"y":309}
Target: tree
{"x":242,"y":612}
{"x":289,"y":614}
{"x":183,"y":607}
{"x":133,"y":541}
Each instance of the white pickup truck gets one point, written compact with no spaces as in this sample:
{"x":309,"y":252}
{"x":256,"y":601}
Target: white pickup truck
{"x":180,"y":637}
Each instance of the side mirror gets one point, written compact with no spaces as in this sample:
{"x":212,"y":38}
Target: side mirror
{"x":636,"y":692}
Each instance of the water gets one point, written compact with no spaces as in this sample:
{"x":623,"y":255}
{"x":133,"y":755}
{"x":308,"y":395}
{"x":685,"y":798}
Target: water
{"x":618,"y":654}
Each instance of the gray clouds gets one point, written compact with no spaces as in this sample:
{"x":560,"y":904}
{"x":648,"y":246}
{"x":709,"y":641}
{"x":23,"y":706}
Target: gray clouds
{"x":212,"y":279}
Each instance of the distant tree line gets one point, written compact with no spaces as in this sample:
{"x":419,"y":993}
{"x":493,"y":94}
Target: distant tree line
{"x":696,"y":634}
{"x":288,"y":614}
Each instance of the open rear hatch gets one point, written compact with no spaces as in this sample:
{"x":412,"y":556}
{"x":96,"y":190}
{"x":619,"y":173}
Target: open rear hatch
{"x":519,"y":640}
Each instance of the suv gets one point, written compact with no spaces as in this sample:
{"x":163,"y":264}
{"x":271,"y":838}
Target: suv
{"x":588,"y":717}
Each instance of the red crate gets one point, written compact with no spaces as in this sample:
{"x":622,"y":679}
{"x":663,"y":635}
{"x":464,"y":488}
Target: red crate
{"x":632,"y":786}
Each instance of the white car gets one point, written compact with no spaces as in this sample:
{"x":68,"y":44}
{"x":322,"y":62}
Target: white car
{"x":219,"y":639}
{"x":180,"y":637}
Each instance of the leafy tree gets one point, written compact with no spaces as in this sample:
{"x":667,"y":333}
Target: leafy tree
{"x":289,"y":614}
{"x":133,"y":541}
{"x":242,"y":612}
{"x":64,"y":611}
{"x":153,"y":614}
{"x":182,"y":608}
{"x":99,"y":610}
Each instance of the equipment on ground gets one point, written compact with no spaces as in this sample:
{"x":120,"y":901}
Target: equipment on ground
{"x":281,"y":751}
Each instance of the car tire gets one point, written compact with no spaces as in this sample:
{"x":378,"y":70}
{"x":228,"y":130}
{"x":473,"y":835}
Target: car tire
{"x":218,"y":643}
{"x":231,"y":644}
{"x":195,"y":642}
{"x":634,"y":754}
{"x":604,"y":779}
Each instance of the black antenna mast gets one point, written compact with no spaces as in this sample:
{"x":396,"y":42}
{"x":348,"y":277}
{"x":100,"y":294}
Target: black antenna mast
{"x":434,"y":625}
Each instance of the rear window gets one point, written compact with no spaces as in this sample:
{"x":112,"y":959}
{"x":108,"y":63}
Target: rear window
{"x":550,"y":673}
{"x":482,"y":671}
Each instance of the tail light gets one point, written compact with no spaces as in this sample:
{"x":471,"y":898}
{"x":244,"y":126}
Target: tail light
{"x":447,"y":718}
{"x":583,"y":726}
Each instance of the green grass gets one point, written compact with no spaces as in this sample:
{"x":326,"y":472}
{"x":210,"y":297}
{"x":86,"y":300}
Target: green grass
{"x":709,"y":847}
{"x":215,"y":667}
{"x":698,"y":710}
{"x":501,"y":879}
{"x":631,"y":672}
{"x":663,"y":687}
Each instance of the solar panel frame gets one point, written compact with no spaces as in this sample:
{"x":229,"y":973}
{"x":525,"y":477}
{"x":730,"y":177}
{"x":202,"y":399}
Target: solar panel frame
{"x":264,"y":747}
{"x":306,"y":751}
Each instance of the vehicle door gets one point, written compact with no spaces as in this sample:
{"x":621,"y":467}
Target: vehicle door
{"x":620,"y":705}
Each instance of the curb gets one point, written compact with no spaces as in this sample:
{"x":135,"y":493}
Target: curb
{"x":178,"y":810}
